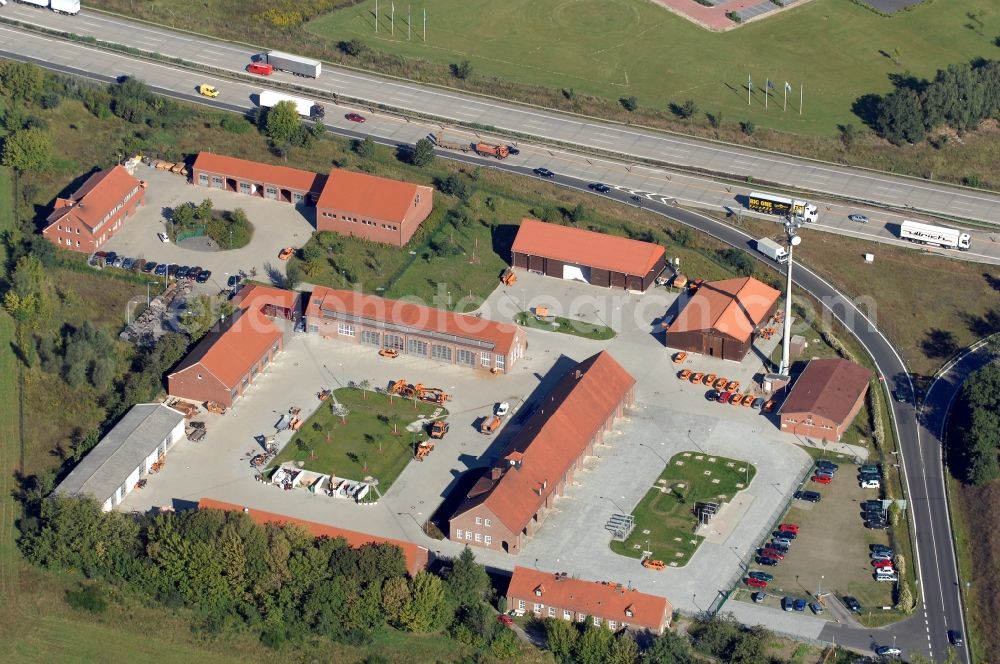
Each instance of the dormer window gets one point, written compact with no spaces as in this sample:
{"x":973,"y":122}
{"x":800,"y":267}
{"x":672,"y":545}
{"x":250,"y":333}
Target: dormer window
{"x":539,"y":591}
{"x":628,"y":612}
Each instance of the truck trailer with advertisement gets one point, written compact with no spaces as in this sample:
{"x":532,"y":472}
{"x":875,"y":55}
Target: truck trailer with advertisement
{"x":309,"y":109}
{"x":781,"y":206}
{"x":940,"y":236}
{"x":61,"y":6}
{"x":772,"y":250}
{"x":294,"y":64}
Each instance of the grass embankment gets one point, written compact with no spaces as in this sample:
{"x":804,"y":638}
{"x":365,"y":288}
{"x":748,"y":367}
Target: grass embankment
{"x":667,"y":509}
{"x":372,"y":440}
{"x":565,"y":326}
{"x":521,"y":50}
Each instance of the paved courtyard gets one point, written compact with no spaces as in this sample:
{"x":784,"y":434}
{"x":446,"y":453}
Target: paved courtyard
{"x":276,"y":225}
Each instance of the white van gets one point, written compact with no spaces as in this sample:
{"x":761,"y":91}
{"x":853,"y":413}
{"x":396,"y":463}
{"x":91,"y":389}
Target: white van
{"x":887,"y":577}
{"x":870,"y":484}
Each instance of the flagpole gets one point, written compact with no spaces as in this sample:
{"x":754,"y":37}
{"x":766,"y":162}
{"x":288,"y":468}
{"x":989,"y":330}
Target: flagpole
{"x":409,"y":20}
{"x":784,"y":104}
{"x":767,"y":86}
{"x":376,"y":15}
{"x":425,"y":24}
{"x":749,"y":88}
{"x":800,"y":98}
{"x":392,"y":21}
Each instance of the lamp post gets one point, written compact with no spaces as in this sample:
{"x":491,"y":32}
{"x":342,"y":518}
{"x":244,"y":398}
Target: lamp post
{"x":792,"y":229}
{"x":819,"y":586}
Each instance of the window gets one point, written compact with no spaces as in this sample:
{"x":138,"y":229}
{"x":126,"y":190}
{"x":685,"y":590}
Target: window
{"x":567,"y":615}
{"x":217,"y":182}
{"x":479,"y":520}
{"x":597,"y":621}
{"x":612,"y":624}
{"x":368,"y":337}
{"x":203,"y":179}
{"x":628,"y":612}
{"x":314,"y":329}
{"x":468,"y":534}
{"x":393,"y":341}
{"x":441,"y":352}
{"x":486,"y":359}
{"x":520,"y":604}
{"x":539,"y":607}
{"x":466,"y":357}
{"x":458,"y":534}
{"x":487,"y":540}
{"x":552,"y":612}
{"x":479,"y":537}
{"x":244,"y":188}
{"x":489,"y":523}
{"x":418,"y":347}
{"x":501,"y":363}
{"x":345,"y":329}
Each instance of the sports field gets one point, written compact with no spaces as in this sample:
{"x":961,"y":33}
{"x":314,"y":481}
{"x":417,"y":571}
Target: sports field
{"x":623,"y":48}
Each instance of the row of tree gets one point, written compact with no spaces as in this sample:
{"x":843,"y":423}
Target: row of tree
{"x":960,"y":97}
{"x":980,"y":435}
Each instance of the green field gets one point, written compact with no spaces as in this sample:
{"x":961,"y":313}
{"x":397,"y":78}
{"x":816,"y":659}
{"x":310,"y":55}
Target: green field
{"x":667,"y":509}
{"x":360,"y":444}
{"x":622,"y":48}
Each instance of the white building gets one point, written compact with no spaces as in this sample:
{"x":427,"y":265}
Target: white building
{"x":111,"y":470}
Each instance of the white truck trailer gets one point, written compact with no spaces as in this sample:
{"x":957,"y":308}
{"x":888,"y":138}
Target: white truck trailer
{"x":772,"y":250}
{"x":785,"y":207}
{"x":309,"y":109}
{"x":940,"y":236}
{"x":294,"y":64}
{"x":60,"y":6}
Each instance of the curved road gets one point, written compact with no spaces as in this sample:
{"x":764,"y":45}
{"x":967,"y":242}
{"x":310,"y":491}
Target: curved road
{"x":920,"y":451}
{"x":884,"y":189}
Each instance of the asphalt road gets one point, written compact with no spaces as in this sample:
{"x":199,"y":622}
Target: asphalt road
{"x":920,"y":447}
{"x":899,"y":193}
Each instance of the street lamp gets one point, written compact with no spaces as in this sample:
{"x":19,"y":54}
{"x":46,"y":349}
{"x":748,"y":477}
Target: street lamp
{"x":792,"y":229}
{"x":819,"y":586}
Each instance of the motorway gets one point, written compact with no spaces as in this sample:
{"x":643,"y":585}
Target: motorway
{"x":895,"y":192}
{"x":920,"y":451}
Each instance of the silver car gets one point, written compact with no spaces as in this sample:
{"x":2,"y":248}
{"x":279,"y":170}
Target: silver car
{"x":859,"y":218}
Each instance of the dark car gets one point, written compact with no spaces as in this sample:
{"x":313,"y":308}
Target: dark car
{"x":110,"y":258}
{"x":815,"y":608}
{"x":786,"y":534}
{"x":787,"y":603}
{"x":149,"y":266}
{"x":955,"y":637}
{"x":823,"y":472}
{"x":876,"y":524}
{"x":778,"y":546}
{"x":763,"y":576}
{"x":712,"y":395}
{"x":182,"y":272}
{"x":172,"y":269}
{"x":355,"y":117}
{"x":543,"y":172}
{"x":903,"y":392}
{"x":827,"y":465}
{"x":160,"y":270}
{"x":767,"y":561}
{"x":852,"y":603}
{"x":871,"y":504}
{"x":809,"y":496}
{"x":232,"y":280}
{"x":96,"y":257}
{"x":600,"y":187}
{"x":204,"y":276}
{"x":880,"y":548}
{"x":194,"y":272}
{"x":513,"y":150}
{"x":869,"y":468}
{"x":800,"y":604}
{"x":758,"y":597}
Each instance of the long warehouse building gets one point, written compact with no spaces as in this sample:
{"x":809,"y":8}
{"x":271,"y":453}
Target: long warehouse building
{"x":587,"y":256}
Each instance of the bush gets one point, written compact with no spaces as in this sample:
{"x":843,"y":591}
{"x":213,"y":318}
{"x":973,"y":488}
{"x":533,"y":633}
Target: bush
{"x":454,"y":185}
{"x":235,"y":124}
{"x":748,"y":127}
{"x":89,"y":598}
{"x":354,"y":47}
{"x":715,"y":119}
{"x":364,"y":148}
{"x":422,"y":154}
{"x":630,"y":104}
{"x":462,"y":70}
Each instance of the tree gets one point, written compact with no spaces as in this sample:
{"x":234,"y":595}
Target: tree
{"x":561,"y":636}
{"x":454,"y":185}
{"x":505,"y":645}
{"x":593,"y":646}
{"x":426,"y":609}
{"x":27,"y":150}
{"x":468,"y":583}
{"x":395,"y":595}
{"x":354,"y":47}
{"x":630,"y":104}
{"x":283,"y":124}
{"x":422,"y":153}
{"x":747,"y":127}
{"x":899,"y":118}
{"x":21,"y":80}
{"x":624,"y":650}
{"x":715,"y":119}
{"x":688,"y":109}
{"x":749,"y":647}
{"x":462,"y":70}
{"x":669,"y":648}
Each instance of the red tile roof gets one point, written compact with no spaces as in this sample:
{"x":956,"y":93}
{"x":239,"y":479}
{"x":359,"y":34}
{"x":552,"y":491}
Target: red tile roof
{"x":552,"y":440}
{"x":280,"y":176}
{"x":412,"y":315}
{"x":98,"y":195}
{"x":582,"y":247}
{"x":370,"y":196}
{"x":733,"y":307}
{"x":608,"y":601}
{"x":416,"y":556}
{"x":233,"y":346}
{"x":828,"y":388}
{"x":256,"y":295}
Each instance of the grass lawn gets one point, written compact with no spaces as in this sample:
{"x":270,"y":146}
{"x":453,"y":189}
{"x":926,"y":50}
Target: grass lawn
{"x":566,"y":326}
{"x":623,"y":48}
{"x":362,"y":444}
{"x":667,"y":510}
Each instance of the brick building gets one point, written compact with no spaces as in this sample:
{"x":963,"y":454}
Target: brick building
{"x":723,"y":318}
{"x":508,"y":504}
{"x":373,"y":208}
{"x":416,"y":556}
{"x":279,"y":183}
{"x":227,"y":361}
{"x":95,"y":212}
{"x":825,"y":399}
{"x":607,"y":604}
{"x":415,"y":330}
{"x":581,"y":255}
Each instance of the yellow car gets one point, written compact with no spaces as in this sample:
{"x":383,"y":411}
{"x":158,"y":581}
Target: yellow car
{"x":208,"y":90}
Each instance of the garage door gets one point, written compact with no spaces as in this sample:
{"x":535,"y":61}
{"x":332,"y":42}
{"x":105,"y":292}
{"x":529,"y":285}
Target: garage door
{"x":576,"y":273}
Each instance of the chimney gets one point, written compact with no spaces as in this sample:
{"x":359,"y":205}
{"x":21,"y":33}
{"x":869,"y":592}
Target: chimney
{"x":577,"y":374}
{"x":495,"y":474}
{"x":545,"y":484}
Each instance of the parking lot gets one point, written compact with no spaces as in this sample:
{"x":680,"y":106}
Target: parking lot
{"x":276,"y":225}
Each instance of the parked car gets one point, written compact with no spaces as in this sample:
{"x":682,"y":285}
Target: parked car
{"x":204,"y":276}
{"x":757,"y":403}
{"x":827,"y":465}
{"x":787,"y":603}
{"x":876,"y":524}
{"x":869,"y":468}
{"x":787,"y":534}
{"x":886,"y":577}
{"x":679,"y":357}
{"x":763,"y":576}
{"x":502,"y":409}
{"x":182,"y":272}
{"x":724,"y":397}
{"x":772,"y":553}
{"x":955,"y":637}
{"x":710,"y":380}
{"x":767,"y":561}
{"x":852,"y":603}
{"x":118,"y":261}
{"x":712,"y":395}
{"x":821,"y":479}
{"x":543,"y":172}
{"x":778,"y":546}
{"x":163,"y":237}
{"x":232,"y":280}
{"x":881,"y":556}
{"x":755,"y":583}
{"x":782,"y":540}
{"x":758,"y":597}
{"x":808,"y":496}
{"x":887,"y":651}
{"x":870,"y":484}
{"x":800,"y":604}
{"x":789,"y":528}
{"x":696,"y":377}
{"x":149,"y":266}
{"x":768,"y":406}
{"x":505,"y":620}
{"x":138,"y":264}
{"x":882,"y":548}
{"x":684,"y":374}
{"x":736,"y":399}
{"x":160,"y":270}
{"x":882,"y":564}
{"x":96,"y":257}
{"x":823,"y":471}
{"x":815,"y":608}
